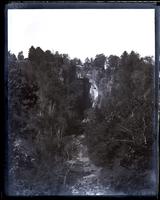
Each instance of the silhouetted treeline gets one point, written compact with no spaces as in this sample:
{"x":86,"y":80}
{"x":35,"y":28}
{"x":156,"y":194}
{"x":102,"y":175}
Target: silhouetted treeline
{"x":49,"y":96}
{"x":120,"y":130}
{"x":46,"y":106}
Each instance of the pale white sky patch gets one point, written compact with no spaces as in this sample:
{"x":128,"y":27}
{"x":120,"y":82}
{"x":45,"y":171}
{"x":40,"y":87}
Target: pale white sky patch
{"x":82,"y":32}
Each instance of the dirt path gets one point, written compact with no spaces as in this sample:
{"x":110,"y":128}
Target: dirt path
{"x":88,"y":184}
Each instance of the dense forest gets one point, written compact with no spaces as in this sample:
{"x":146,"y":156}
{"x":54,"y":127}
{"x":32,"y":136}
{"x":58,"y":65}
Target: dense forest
{"x":58,"y":106}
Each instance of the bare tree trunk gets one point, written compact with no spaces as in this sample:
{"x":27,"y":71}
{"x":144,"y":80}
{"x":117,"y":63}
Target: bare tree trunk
{"x":66,"y":174}
{"x":144,"y":129}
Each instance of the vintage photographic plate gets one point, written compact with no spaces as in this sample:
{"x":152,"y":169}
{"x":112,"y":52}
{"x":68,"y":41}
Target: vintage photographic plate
{"x":82,"y":106}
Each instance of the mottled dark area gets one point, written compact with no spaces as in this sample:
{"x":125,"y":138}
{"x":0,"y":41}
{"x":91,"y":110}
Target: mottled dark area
{"x":80,"y":128}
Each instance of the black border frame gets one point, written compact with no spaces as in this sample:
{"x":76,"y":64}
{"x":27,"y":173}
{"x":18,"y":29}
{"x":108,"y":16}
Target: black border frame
{"x":81,"y":5}
{"x":85,"y":5}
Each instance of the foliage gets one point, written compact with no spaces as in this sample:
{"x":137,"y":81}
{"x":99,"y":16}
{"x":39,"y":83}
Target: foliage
{"x":48,"y":103}
{"x":121,"y":132}
{"x":45,"y":108}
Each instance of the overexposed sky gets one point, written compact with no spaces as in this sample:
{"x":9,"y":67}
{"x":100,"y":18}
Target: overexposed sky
{"x":82,"y":32}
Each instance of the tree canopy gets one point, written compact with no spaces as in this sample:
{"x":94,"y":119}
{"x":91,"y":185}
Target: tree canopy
{"x":49,"y":100}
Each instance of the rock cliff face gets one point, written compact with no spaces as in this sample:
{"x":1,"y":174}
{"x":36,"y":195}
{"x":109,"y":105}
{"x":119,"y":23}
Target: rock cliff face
{"x":94,"y":92}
